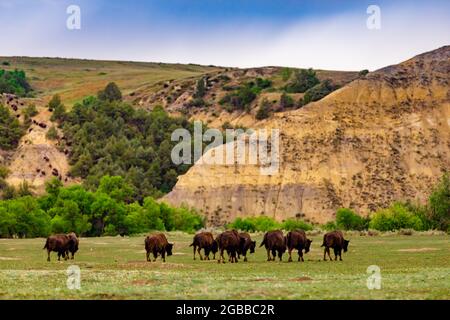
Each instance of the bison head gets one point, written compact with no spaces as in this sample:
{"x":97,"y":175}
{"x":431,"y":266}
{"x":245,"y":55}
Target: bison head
{"x":252,"y":246}
{"x":169,"y":247}
{"x":346,"y":245}
{"x":307,"y":245}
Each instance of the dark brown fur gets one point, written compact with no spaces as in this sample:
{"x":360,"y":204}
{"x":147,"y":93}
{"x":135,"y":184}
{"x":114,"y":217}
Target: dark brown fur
{"x":297,"y":239}
{"x":158,"y":244}
{"x":229,"y":241}
{"x":274,"y":241}
{"x":204,"y":240}
{"x":246,"y":244}
{"x":60,"y":243}
{"x":335,"y":240}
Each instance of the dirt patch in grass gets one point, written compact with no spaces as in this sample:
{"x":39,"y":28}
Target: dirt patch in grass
{"x":302,"y":279}
{"x":418,"y":249}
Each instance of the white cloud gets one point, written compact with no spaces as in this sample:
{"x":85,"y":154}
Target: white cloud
{"x":339,"y":42}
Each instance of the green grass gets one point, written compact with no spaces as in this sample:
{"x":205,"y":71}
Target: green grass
{"x":75,"y":79}
{"x":115,"y":268}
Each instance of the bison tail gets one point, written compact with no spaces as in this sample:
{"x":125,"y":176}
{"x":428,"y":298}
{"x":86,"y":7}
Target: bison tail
{"x":191,"y":244}
{"x":46,"y":245}
{"x":264,"y":241}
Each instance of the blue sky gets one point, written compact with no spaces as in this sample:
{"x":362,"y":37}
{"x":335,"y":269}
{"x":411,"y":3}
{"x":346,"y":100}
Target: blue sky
{"x":321,"y":34}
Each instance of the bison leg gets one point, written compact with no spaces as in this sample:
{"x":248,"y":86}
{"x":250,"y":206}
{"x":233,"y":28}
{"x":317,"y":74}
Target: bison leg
{"x":48,"y":255}
{"x":155,"y":255}
{"x":147,"y":255}
{"x":274,"y":254}
{"x":329,"y":254}
{"x":340,"y":254}
{"x":200,"y":253}
{"x":336,"y":253}
{"x":195,"y":248}
{"x":163,"y":255}
{"x":325,"y":254}
{"x":300,"y":255}
{"x":290,"y":255}
{"x":269,"y":258}
{"x":280,"y":255}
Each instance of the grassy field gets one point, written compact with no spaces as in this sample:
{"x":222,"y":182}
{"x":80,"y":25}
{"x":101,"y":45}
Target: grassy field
{"x":412,"y":267}
{"x":75,"y":79}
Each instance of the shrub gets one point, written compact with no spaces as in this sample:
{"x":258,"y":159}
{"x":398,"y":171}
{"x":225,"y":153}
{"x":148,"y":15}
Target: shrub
{"x":363,"y":73}
{"x":6,"y":63}
{"x":197,"y":103}
{"x":286,"y":74}
{"x":395,"y":217}
{"x":30,"y":111}
{"x":347,"y":219}
{"x":263,"y":83}
{"x":318,"y":91}
{"x":10,"y":130}
{"x":295,"y":224}
{"x":303,"y":80}
{"x":110,"y":93}
{"x":200,"y":89}
{"x":52,"y":133}
{"x":264,"y":110}
{"x":14,"y":82}
{"x":439,"y":204}
{"x":286,"y":101}
{"x":329,"y":226}
{"x":252,"y":224}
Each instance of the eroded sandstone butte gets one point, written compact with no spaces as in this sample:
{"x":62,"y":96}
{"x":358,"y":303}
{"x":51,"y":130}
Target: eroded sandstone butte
{"x":376,"y":140}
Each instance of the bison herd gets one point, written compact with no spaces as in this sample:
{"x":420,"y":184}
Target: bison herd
{"x":235,"y":244}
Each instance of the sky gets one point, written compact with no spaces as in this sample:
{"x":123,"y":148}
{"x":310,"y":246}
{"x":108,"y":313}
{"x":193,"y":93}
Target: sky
{"x":320,"y":34}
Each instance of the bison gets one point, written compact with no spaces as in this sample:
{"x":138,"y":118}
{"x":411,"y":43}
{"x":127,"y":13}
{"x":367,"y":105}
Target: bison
{"x":204,"y":240}
{"x":274,"y":241}
{"x":73,"y":245}
{"x":297,"y":239}
{"x":335,"y":240}
{"x":246,"y":244}
{"x":60,"y":243}
{"x":158,"y":244}
{"x":229,"y":241}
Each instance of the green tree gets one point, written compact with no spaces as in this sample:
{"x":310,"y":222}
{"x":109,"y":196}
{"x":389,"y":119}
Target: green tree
{"x":303,"y":80}
{"x":10,"y":130}
{"x":200,"y":89}
{"x":52,"y":133}
{"x":347,"y":219}
{"x":264,"y":110}
{"x":439,"y":203}
{"x":286,"y":101}
{"x":110,"y":93}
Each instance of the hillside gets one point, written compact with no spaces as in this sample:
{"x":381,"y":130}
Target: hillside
{"x":381,"y":138}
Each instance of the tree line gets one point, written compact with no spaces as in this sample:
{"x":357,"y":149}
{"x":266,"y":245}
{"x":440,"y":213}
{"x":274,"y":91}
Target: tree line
{"x":108,"y":210}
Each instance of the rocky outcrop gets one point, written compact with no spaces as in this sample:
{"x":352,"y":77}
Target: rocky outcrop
{"x":382,"y":138}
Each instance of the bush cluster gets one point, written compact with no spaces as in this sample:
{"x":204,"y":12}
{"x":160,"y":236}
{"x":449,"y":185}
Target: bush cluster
{"x":14,"y":82}
{"x":107,"y":211}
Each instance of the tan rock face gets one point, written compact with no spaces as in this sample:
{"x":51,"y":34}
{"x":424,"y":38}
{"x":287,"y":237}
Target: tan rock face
{"x":376,"y":140}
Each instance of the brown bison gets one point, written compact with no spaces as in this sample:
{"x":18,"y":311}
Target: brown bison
{"x":297,"y":239}
{"x":274,"y":241}
{"x":229,"y":241}
{"x":204,"y":240}
{"x":73,"y":245}
{"x":60,"y":243}
{"x":335,"y":240}
{"x":158,"y":244}
{"x":246,"y":244}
